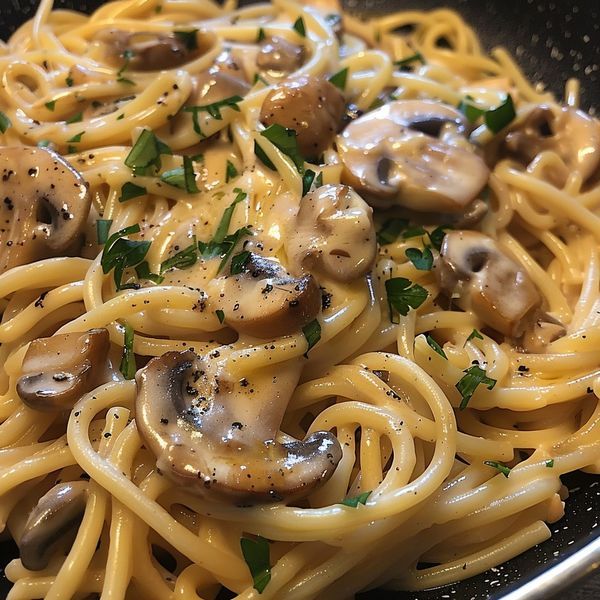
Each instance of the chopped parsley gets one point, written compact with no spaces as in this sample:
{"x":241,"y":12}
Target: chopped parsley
{"x":339,"y":79}
{"x":183,"y":177}
{"x":312,"y":334}
{"x":391,"y":230}
{"x":549,"y":463}
{"x":69,"y":81}
{"x":356,"y":500}
{"x":256,"y":553}
{"x":214,"y":110}
{"x":260,"y":36}
{"x":50,"y":105}
{"x":128,"y":366}
{"x":299,"y":26}
{"x":223,"y":226}
{"x":184,"y":259}
{"x":76,"y":118}
{"x":130,"y":190}
{"x":474,"y":334}
{"x":146,"y":153}
{"x":307,"y":180}
{"x":120,"y":253}
{"x":403,"y":294}
{"x":502,"y":468}
{"x":435,"y":346}
{"x":285,"y":140}
{"x":102,"y":229}
{"x":76,"y":138}
{"x":4,"y":122}
{"x":436,"y":237}
{"x":238,"y":262}
{"x":262,"y":156}
{"x":127,"y":55}
{"x":472,"y":378}
{"x":230,"y":172}
{"x":421,"y":259}
{"x":143,"y":272}
{"x":495,"y":119}
{"x":405,"y":62}
{"x":220,"y":315}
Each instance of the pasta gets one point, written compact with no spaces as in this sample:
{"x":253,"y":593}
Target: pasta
{"x":332,"y":394}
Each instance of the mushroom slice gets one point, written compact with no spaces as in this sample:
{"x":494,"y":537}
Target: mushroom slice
{"x":217,"y":436}
{"x":151,"y":51}
{"x":430,"y":117}
{"x":545,"y":330}
{"x":394,"y":163}
{"x":479,"y":276}
{"x":278,"y":57}
{"x":569,"y":132}
{"x":215,"y":85}
{"x":45,"y":207}
{"x":312,"y":107}
{"x":57,"y":513}
{"x":333,"y":233}
{"x":265,"y":301}
{"x":58,"y":370}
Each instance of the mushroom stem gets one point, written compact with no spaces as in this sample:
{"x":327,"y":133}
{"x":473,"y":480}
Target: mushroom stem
{"x":218,"y":436}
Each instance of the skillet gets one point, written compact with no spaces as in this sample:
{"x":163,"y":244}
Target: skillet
{"x":553,"y":41}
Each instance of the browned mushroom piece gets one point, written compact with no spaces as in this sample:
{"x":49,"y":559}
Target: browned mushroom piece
{"x":333,"y":233}
{"x":151,"y":51}
{"x":215,"y":85}
{"x":393,"y":156}
{"x":45,"y":207}
{"x":58,"y":370}
{"x":312,"y":107}
{"x":544,"y":330}
{"x":572,"y":134}
{"x":265,"y":301}
{"x":278,"y":57}
{"x":217,"y":435}
{"x":57,"y":513}
{"x":474,"y":271}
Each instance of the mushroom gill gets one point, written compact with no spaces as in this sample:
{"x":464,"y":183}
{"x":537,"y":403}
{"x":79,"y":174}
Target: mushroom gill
{"x":58,"y":370}
{"x":263,"y":300}
{"x":478,"y":275}
{"x":217,"y":435}
{"x":45,"y":207}
{"x":57,"y":513}
{"x":394,"y":156}
{"x":312,"y":107}
{"x":333,"y":233}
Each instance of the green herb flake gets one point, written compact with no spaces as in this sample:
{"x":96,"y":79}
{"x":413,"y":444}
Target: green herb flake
{"x":435,"y":346}
{"x":403,"y":294}
{"x":356,"y":500}
{"x":421,"y":259}
{"x":121,"y":116}
{"x":102,"y":229}
{"x":262,"y":156}
{"x":76,"y":118}
{"x":143,"y":272}
{"x":214,"y":110}
{"x":189,"y":38}
{"x":339,"y":79}
{"x":128,"y":366}
{"x":474,"y":334}
{"x":50,"y":105}
{"x":405,"y":62}
{"x":182,"y":177}
{"x":130,"y":190}
{"x":256,"y":553}
{"x":127,"y":55}
{"x":120,"y":253}
{"x":502,"y":468}
{"x":285,"y":140}
{"x":319,"y":180}
{"x":76,"y":138}
{"x":468,"y":107}
{"x":472,"y":378}
{"x":260,"y":36}
{"x":184,"y":259}
{"x":496,"y":119}
{"x":299,"y":26}
{"x":69,"y":81}
{"x":312,"y":333}
{"x":258,"y":78}
{"x":549,"y":463}
{"x":414,"y":231}
{"x":220,"y":315}
{"x":71,"y":149}
{"x":391,"y":230}
{"x":307,"y":181}
{"x":238,"y":262}
{"x":146,"y":153}
{"x":4,"y":122}
{"x":436,"y":237}
{"x":230,"y":172}
{"x":225,"y":221}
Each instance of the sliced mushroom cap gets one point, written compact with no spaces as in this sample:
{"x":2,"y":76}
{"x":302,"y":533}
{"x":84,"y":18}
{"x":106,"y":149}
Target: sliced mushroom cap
{"x":479,"y":276}
{"x":151,"y":51}
{"x":45,"y":207}
{"x":572,"y":134}
{"x":545,"y":330}
{"x":333,"y":233}
{"x":57,"y":512}
{"x":394,"y":163}
{"x":58,"y":370}
{"x":430,"y":117}
{"x":217,"y":436}
{"x":312,"y":107}
{"x":265,"y":301}
{"x":278,"y":57}
{"x":215,"y":85}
